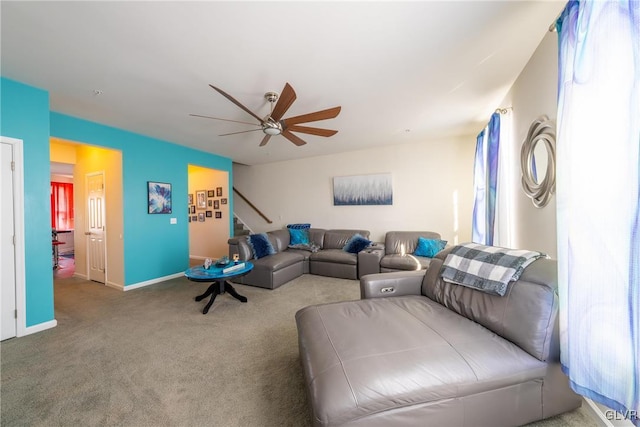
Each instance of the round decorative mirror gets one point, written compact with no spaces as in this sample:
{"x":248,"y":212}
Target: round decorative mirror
{"x":538,"y":161}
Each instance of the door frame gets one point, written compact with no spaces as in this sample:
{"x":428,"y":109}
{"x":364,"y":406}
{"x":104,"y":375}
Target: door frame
{"x":18,"y":224}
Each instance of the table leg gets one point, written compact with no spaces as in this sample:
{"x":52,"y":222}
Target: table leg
{"x":208,"y":292}
{"x":214,"y":294}
{"x":233,"y":293}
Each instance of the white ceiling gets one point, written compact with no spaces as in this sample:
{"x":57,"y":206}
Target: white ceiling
{"x":403,"y":72}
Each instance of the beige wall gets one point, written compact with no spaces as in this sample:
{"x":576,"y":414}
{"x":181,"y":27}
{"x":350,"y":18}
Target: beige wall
{"x":208,"y":239}
{"x":533,"y":94}
{"x":89,"y":160}
{"x":432,"y":187}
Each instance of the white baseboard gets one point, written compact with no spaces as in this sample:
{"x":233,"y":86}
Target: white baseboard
{"x":114,"y":286}
{"x":152,"y":281}
{"x":81,"y":276}
{"x":40,"y":327}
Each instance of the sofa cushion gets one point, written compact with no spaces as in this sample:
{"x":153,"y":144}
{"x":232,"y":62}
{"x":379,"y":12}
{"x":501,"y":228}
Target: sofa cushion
{"x":404,"y":262}
{"x":336,"y":239}
{"x":429,"y":247}
{"x":278,"y":260}
{"x":260,"y":245}
{"x":316,"y":235}
{"x":398,"y":242}
{"x":356,"y":243}
{"x":384,"y":354}
{"x":336,"y":256}
{"x":279,"y":239}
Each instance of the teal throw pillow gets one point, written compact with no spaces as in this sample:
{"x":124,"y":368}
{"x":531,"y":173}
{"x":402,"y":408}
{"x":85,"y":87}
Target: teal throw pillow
{"x":356,"y":243}
{"x":429,"y":247}
{"x":299,"y":236}
{"x":260,"y":245}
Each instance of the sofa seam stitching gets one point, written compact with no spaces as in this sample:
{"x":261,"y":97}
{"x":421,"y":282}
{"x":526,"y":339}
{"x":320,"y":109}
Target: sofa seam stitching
{"x":441,"y":336}
{"x":339,"y":359}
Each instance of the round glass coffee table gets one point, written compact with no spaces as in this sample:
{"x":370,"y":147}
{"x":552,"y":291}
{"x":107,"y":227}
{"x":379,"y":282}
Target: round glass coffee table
{"x":220,"y":278}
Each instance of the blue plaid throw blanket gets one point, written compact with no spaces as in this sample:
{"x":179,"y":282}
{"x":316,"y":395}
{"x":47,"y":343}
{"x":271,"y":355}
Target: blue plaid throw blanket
{"x":486,"y":268}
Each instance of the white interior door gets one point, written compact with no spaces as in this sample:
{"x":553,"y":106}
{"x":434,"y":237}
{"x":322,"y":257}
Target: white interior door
{"x":96,"y":244}
{"x":7,"y":245}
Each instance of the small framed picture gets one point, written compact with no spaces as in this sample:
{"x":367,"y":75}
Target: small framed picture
{"x":193,"y":209}
{"x":218,"y":214}
{"x":210,"y":193}
{"x":159,"y":197}
{"x":209,"y":214}
{"x":223,"y":201}
{"x":210,"y":202}
{"x":216,"y":204}
{"x":219,"y":191}
{"x":201,"y":217}
{"x":201,"y":199}
{"x":189,"y":219}
{"x":190,"y":198}
{"x":194,"y":218}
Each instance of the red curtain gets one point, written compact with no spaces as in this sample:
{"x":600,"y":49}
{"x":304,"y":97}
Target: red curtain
{"x":62,"y":205}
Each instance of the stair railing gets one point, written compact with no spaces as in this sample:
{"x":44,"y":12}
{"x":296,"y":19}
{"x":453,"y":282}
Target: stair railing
{"x":258,"y":211}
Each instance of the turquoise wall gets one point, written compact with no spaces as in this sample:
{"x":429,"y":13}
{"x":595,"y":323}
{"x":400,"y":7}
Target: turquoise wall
{"x":24,"y":114}
{"x":153,"y":248}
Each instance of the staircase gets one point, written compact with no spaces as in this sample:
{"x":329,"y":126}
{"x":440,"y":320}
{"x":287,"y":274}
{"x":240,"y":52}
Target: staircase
{"x":239,"y":229}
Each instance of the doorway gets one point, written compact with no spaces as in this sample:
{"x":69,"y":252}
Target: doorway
{"x":98,"y":246}
{"x":208,"y":213}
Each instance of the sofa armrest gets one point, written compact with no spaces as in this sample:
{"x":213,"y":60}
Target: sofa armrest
{"x":394,"y":284}
{"x":369,"y":260}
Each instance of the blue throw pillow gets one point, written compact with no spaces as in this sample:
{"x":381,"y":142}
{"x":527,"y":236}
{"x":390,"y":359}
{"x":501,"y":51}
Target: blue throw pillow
{"x":429,"y":247}
{"x":260,"y":245}
{"x":298,"y":226}
{"x":298,"y":236}
{"x":356,"y":243}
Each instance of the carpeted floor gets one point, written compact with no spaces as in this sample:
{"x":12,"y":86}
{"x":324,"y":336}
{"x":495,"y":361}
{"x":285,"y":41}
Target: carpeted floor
{"x":148,"y":357}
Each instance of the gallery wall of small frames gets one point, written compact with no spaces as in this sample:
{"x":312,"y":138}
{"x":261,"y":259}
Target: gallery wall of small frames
{"x":205,"y":204}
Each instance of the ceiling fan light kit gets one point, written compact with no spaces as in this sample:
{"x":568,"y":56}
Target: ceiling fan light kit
{"x":273,"y":124}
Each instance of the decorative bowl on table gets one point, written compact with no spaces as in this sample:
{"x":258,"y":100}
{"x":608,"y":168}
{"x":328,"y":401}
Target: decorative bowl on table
{"x":223,"y":262}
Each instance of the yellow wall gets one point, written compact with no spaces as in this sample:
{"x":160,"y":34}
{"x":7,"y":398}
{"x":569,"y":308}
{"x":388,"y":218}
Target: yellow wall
{"x":62,"y":151}
{"x":208,"y":239}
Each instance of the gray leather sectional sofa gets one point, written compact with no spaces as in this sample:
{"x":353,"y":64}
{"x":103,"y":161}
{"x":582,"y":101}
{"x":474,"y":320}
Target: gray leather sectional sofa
{"x":418,"y":351}
{"x":286,"y":264}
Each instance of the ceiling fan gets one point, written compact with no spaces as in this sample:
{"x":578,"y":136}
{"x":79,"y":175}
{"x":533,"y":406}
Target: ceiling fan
{"x":273,"y":124}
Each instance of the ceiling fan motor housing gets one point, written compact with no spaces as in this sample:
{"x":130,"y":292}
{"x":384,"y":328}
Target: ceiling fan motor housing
{"x":271,"y":127}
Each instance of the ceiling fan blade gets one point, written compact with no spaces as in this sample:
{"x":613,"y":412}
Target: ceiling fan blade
{"x":225,"y":120}
{"x":265,"y":140}
{"x":293,"y":138}
{"x":242,"y":131}
{"x":235,"y":101}
{"x":312,"y":131}
{"x":329,"y":113}
{"x":287,"y":96}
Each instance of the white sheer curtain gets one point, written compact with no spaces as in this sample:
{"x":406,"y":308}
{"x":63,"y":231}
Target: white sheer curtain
{"x":598,"y":192}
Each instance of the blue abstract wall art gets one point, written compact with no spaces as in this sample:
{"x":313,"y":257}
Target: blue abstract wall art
{"x":159,"y":197}
{"x":373,"y":189}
